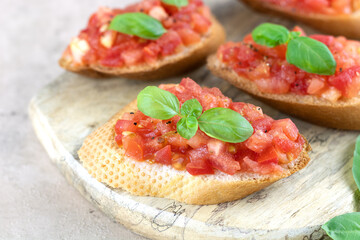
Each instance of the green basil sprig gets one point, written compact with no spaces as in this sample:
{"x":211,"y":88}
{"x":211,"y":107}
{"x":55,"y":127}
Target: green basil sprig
{"x":305,"y":53}
{"x":356,"y":163}
{"x":178,"y":3}
{"x":344,"y":227}
{"x":138,"y":24}
{"x":220,"y":123}
{"x":270,"y":35}
{"x":347,"y":226}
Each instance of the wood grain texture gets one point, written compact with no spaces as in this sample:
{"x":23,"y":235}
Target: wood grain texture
{"x":70,"y":108}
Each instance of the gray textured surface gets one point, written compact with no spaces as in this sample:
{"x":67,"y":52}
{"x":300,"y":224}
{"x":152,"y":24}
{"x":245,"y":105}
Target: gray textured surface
{"x":36,"y":202}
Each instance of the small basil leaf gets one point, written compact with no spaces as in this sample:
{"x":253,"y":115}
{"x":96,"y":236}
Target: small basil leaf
{"x":294,"y":35}
{"x":191,"y":107}
{"x":178,"y":3}
{"x":138,"y":24}
{"x":345,"y":226}
{"x":225,"y":124}
{"x":157,"y":103}
{"x":187,"y":127}
{"x":270,"y":35}
{"x":356,"y":163}
{"x":311,"y":56}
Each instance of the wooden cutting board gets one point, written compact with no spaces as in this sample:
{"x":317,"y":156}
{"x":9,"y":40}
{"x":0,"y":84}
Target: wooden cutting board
{"x":67,"y":110}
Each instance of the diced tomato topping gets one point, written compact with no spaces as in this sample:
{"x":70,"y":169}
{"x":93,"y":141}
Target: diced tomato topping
{"x":273,"y":143}
{"x":269,"y":70}
{"x":164,"y":155}
{"x":133,"y":146}
{"x":328,"y":7}
{"x":348,"y":81}
{"x":288,"y":127}
{"x":179,"y":161}
{"x":259,"y":141}
{"x":125,"y":125}
{"x":199,"y":168}
{"x":225,"y":163}
{"x":269,"y":155}
{"x":185,"y":26}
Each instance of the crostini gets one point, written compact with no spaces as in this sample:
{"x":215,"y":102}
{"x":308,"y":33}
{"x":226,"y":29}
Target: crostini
{"x":333,"y":17}
{"x":149,"y":157}
{"x":148,"y":40}
{"x":330,"y":100}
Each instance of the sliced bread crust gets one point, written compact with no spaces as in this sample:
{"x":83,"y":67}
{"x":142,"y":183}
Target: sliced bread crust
{"x":106,"y":162}
{"x":190,"y":57}
{"x":344,"y":114}
{"x":346,"y":25}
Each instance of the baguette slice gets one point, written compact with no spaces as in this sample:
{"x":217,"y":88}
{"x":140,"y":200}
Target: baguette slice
{"x":106,"y":162}
{"x":188,"y":58}
{"x":346,"y":25}
{"x":344,"y":114}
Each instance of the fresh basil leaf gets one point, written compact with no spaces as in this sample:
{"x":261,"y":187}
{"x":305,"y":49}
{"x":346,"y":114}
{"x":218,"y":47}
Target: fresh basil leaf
{"x":178,"y":3}
{"x":225,"y":124}
{"x":345,"y":226}
{"x":158,"y":103}
{"x":270,"y":35}
{"x":311,"y":56}
{"x":138,"y":24}
{"x":294,"y":35}
{"x":191,"y":107}
{"x":356,"y":163}
{"x":187,"y":127}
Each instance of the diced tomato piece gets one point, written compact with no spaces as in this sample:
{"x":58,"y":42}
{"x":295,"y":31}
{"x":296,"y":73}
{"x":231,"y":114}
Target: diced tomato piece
{"x":261,"y":168}
{"x":188,"y":36}
{"x":263,"y":124}
{"x":198,"y":153}
{"x":284,"y":144}
{"x":153,"y":145}
{"x":288,"y":127}
{"x":133,"y":146}
{"x":190,"y":85}
{"x":247,"y":110}
{"x":225,"y":163}
{"x":164,"y":155}
{"x":348,"y":81}
{"x":199,"y":168}
{"x":272,"y":85}
{"x":169,"y":42}
{"x":325,"y":39}
{"x":215,"y":146}
{"x":315,"y":86}
{"x":198,"y":140}
{"x":132,"y":56}
{"x":269,"y":155}
{"x":176,"y":140}
{"x":125,"y":125}
{"x":259,"y":141}
{"x":201,"y":23}
{"x":151,"y":53}
{"x":118,"y":140}
{"x":179,"y":161}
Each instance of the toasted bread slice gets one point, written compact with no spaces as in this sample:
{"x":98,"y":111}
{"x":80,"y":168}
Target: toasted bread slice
{"x":345,"y":25}
{"x":344,"y":114}
{"x":188,"y":58}
{"x":106,"y":162}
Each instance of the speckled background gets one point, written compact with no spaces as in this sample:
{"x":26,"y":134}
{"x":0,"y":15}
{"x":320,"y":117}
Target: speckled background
{"x":36,"y":202}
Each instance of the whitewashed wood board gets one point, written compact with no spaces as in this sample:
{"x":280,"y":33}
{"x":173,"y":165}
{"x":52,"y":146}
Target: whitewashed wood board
{"x":66,"y":111}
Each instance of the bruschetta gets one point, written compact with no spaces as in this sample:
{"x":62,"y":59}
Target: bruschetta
{"x":148,"y":157}
{"x":328,"y":100}
{"x":190,"y":34}
{"x":336,"y":17}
